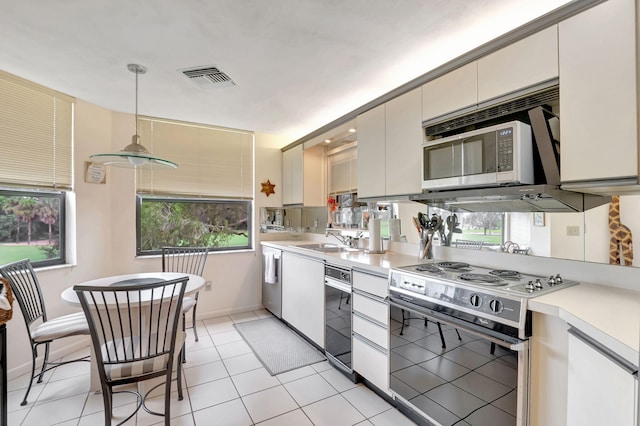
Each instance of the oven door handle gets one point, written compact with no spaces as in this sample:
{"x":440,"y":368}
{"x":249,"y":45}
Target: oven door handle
{"x":517,"y":346}
{"x":338,"y":285}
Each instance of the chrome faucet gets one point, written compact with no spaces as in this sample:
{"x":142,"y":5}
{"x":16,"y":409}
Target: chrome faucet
{"x":346,"y":240}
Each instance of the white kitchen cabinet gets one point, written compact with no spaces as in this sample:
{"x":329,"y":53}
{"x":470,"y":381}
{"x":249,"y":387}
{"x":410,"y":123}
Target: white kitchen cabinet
{"x":600,"y":391}
{"x":343,"y":171}
{"x":598,"y":92}
{"x":292,"y":175}
{"x":371,"y":153}
{"x":403,"y":141}
{"x":389,"y":140}
{"x":371,"y":329}
{"x":303,"y":176}
{"x":303,"y":295}
{"x":453,"y":91}
{"x":520,"y":65}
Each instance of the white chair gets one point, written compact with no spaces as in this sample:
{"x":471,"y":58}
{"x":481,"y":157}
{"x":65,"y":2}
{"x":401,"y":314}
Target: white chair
{"x":189,"y":260}
{"x":135,"y":336}
{"x":42,"y":330}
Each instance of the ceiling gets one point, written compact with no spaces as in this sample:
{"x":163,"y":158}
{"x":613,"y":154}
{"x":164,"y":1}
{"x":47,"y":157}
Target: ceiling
{"x":297,"y":64}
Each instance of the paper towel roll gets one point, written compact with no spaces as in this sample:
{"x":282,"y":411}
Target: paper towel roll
{"x":374,"y":236}
{"x":394,"y":230}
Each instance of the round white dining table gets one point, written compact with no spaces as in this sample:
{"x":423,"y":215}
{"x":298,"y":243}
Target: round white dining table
{"x":70,"y":297}
{"x":194,"y":284}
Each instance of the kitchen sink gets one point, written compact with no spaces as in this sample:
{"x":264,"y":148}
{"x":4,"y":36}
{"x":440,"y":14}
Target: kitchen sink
{"x":327,"y":248}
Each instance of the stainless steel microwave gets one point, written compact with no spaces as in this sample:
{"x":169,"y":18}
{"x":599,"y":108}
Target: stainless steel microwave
{"x":491,"y":156}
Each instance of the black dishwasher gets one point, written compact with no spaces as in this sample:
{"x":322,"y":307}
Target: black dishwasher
{"x":337,"y":287}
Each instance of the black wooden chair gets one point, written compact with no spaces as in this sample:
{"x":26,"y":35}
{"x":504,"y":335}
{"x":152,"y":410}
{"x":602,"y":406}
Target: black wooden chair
{"x":189,"y":260}
{"x":135,"y":336}
{"x":41,"y":329}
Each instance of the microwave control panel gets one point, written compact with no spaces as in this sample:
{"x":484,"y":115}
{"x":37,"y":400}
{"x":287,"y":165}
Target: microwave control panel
{"x":505,"y":149}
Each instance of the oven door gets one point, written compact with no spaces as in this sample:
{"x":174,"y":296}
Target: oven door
{"x":338,"y":322}
{"x":475,"y":379}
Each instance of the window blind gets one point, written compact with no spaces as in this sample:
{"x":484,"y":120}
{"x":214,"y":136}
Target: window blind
{"x":212,"y":162}
{"x":36,"y":135}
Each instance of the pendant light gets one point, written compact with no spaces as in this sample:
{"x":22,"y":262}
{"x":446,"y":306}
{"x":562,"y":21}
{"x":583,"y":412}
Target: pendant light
{"x":134,"y":154}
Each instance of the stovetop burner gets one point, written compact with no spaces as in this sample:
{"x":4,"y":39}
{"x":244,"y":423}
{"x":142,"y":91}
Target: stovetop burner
{"x":484,"y":279}
{"x":429,"y":268}
{"x":505,"y":273}
{"x":454,"y":265}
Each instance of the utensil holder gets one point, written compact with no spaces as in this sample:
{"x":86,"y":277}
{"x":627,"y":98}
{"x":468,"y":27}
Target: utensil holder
{"x":425,"y":249}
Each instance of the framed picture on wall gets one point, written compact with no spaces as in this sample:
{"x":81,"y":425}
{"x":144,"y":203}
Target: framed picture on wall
{"x":538,"y":219}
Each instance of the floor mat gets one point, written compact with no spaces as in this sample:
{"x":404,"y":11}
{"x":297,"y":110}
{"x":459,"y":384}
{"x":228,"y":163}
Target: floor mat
{"x":278,"y":347}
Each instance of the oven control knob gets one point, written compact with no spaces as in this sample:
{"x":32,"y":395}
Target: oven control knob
{"x":475,"y":300}
{"x":551,"y":280}
{"x":496,"y":306}
{"x":529,"y":286}
{"x":558,"y":279}
{"x":538,"y":284}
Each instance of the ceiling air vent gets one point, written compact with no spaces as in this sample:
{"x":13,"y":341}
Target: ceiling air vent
{"x":208,"y":77}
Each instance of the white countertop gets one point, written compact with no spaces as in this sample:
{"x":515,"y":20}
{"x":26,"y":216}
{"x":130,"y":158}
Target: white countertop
{"x":379,"y":264}
{"x":608,"y":314}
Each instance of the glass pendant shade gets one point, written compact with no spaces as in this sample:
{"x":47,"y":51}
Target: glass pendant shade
{"x":134,"y":155}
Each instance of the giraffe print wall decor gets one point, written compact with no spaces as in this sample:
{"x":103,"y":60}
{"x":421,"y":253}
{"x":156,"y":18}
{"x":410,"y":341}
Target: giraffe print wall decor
{"x":621,"y":242}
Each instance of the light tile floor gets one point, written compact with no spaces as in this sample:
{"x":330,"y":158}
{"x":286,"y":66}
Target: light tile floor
{"x":225,"y":384}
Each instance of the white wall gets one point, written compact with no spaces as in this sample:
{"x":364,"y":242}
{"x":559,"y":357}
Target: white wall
{"x":105,"y":233}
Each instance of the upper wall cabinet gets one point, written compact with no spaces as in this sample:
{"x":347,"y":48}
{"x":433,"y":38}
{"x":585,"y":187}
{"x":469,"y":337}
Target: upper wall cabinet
{"x":303,"y":176}
{"x":371,"y":153}
{"x":389,"y":140}
{"x":404,"y":138}
{"x":519,"y":66}
{"x":522,"y":64}
{"x":342,"y":165}
{"x":598,"y":97}
{"x":454,"y":91}
{"x":292,"y":175}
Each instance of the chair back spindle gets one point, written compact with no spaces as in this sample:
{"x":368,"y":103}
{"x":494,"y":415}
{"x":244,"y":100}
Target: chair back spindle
{"x":190,"y":260}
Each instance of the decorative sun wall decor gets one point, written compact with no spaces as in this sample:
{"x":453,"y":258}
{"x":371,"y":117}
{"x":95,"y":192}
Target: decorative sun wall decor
{"x":268,"y":188}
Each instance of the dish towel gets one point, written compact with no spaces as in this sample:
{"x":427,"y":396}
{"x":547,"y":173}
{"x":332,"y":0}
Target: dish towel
{"x":269,"y":268}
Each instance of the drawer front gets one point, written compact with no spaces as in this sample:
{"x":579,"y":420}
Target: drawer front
{"x":371,"y":364}
{"x":374,"y":309}
{"x":369,"y":330}
{"x":371,"y":284}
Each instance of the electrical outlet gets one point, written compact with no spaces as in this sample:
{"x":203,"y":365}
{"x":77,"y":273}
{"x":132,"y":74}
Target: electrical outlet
{"x":573,"y":231}
{"x":207,"y":286}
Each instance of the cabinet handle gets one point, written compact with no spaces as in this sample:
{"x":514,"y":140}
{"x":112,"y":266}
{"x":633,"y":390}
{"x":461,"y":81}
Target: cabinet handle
{"x":370,"y":344}
{"x":369,"y":296}
{"x":621,"y":362}
{"x":370,"y":320}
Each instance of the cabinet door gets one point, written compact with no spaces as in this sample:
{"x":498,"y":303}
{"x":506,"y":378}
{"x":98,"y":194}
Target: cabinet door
{"x":599,"y":391}
{"x":372,"y":284}
{"x":403,"y":144}
{"x":303,"y":295}
{"x":342,"y":169}
{"x":371,"y":363}
{"x":451,"y":92}
{"x":313,"y":177}
{"x":598,"y":92}
{"x":292,"y":161}
{"x":371,"y":153}
{"x":520,"y":65}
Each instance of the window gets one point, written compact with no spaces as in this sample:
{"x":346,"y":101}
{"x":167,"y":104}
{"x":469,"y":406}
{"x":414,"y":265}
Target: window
{"x":32,"y":226}
{"x":220,"y":224}
{"x":36,"y":150}
{"x":207,"y":200}
{"x":487,"y":227}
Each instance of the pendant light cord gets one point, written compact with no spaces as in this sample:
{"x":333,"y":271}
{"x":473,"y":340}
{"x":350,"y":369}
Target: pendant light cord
{"x":137,"y":72}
